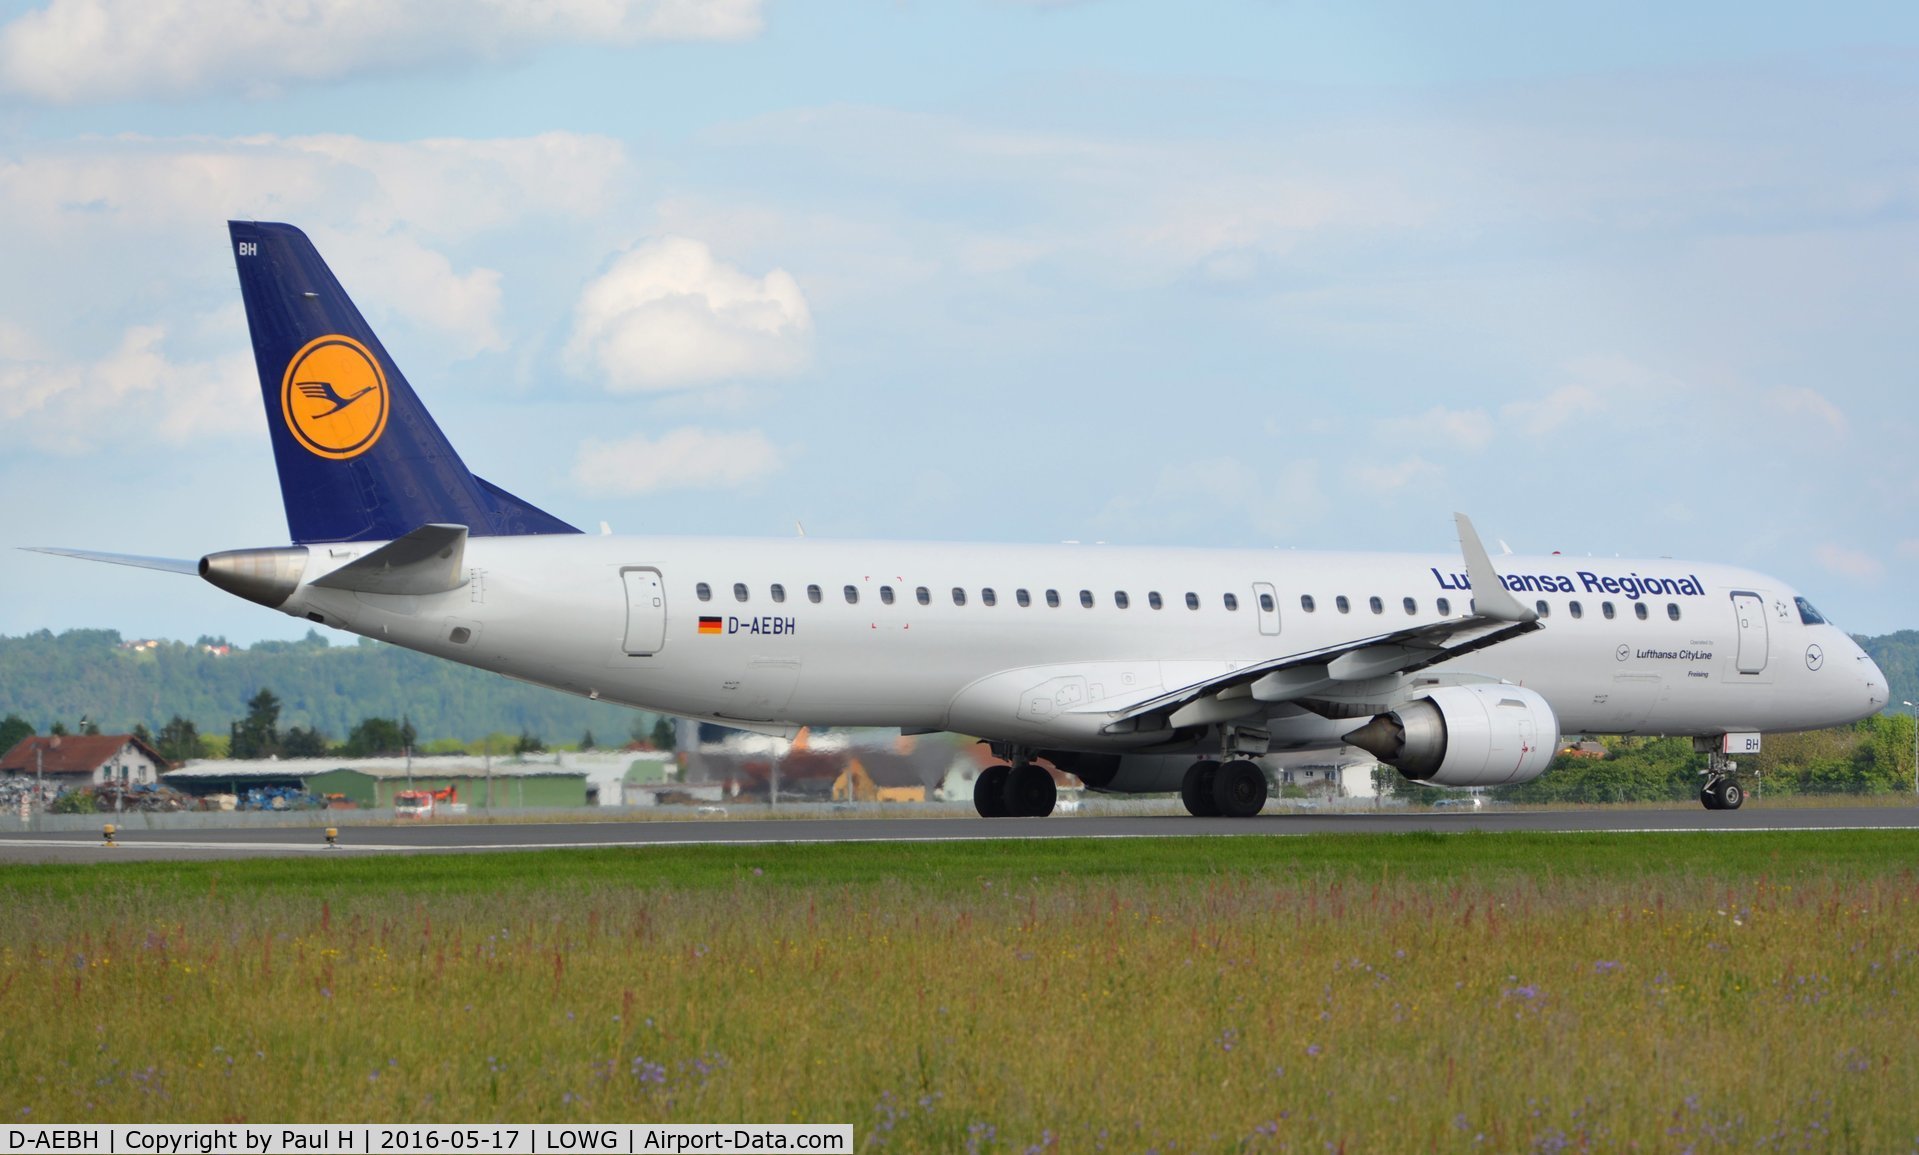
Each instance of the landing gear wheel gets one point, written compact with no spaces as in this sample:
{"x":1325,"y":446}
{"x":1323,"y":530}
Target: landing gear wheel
{"x":1196,"y":789}
{"x":989,"y":791}
{"x":1722,"y":794}
{"x":1030,"y":792}
{"x":1239,"y":789}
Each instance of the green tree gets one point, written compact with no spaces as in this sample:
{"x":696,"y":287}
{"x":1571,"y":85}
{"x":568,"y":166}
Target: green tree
{"x":528,"y":743}
{"x":304,"y":742}
{"x":587,"y":742}
{"x":258,"y":735}
{"x":378,"y":738}
{"x":13,"y":728}
{"x":179,"y":741}
{"x":664,"y":736}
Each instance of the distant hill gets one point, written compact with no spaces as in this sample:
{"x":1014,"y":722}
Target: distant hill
{"x":47,"y":678}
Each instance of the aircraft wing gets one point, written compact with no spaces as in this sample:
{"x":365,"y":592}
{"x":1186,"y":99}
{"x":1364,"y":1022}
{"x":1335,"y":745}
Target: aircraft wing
{"x":1338,"y":670}
{"x":1314,"y":673}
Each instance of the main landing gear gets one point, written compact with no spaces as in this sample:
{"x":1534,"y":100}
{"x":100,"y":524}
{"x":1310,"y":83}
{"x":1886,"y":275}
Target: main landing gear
{"x":1235,"y":789}
{"x":1022,"y":790}
{"x":1721,"y":792}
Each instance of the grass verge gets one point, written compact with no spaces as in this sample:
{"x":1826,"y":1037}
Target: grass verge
{"x":1469,"y":991}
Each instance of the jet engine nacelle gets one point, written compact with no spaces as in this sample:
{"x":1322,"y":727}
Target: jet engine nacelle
{"x":1483,"y":734}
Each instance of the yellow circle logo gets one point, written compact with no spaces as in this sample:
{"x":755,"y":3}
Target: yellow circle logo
{"x":334,"y":397}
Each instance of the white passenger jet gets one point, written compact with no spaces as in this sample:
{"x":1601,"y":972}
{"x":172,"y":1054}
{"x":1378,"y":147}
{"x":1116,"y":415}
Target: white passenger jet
{"x":1139,"y":670}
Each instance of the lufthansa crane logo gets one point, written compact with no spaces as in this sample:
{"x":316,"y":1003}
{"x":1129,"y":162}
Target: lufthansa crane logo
{"x":334,"y":397}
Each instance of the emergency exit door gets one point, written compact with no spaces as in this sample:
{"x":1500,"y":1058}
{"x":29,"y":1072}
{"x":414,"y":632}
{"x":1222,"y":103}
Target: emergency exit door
{"x":645,"y":611}
{"x":1267,"y":603}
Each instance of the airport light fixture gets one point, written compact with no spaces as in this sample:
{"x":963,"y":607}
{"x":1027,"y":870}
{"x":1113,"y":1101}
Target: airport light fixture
{"x":1916,"y":745}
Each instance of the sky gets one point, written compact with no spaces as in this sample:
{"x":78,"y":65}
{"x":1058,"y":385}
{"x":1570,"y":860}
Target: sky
{"x":1636,"y":279}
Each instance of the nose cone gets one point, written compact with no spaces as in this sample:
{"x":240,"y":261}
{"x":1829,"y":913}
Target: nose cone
{"x":1872,"y":680}
{"x":267,"y":576}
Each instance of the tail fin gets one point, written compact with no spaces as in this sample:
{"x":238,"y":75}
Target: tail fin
{"x":360,"y":458}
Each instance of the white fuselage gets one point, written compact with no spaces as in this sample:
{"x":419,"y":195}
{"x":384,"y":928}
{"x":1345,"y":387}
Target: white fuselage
{"x":1651,"y":646}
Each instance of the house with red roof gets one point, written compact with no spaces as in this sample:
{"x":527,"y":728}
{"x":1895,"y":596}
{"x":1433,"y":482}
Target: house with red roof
{"x":72,"y":760}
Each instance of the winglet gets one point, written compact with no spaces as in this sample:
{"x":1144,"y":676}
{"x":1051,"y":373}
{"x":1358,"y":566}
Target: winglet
{"x":1491,"y":599}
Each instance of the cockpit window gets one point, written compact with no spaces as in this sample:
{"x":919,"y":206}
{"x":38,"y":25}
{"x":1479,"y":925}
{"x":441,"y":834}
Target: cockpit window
{"x":1809,"y":615}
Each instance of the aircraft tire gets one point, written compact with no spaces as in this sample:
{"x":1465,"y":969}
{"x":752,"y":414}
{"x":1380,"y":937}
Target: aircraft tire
{"x":1196,"y":789}
{"x":1030,"y":792}
{"x":1239,"y":789}
{"x":989,"y":791}
{"x":1731,"y":796}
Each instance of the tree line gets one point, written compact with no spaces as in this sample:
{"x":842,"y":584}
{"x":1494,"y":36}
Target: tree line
{"x":49,"y":679}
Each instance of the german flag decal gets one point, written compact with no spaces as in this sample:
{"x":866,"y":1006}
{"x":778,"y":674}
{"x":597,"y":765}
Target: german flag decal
{"x":709,"y":625}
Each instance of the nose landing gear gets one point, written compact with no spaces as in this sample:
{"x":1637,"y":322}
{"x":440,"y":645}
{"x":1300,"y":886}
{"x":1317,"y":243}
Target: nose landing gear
{"x":1721,"y":792}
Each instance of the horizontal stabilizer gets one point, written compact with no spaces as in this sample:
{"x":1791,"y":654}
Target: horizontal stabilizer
{"x":427,"y":561}
{"x":168,"y":564}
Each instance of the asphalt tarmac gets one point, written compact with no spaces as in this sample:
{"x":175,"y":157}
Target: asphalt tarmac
{"x":474,"y":838}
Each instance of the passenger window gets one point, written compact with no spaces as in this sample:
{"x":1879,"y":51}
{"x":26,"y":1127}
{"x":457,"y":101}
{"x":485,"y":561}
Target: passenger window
{"x":703,"y":592}
{"x":1444,"y":607}
{"x":1023,"y":598}
{"x":1342,"y":604}
{"x":1086,"y":599}
{"x":1052,"y":599}
{"x":1411,"y":604}
{"x":959,"y":596}
{"x":1639,"y":610}
{"x":1232,"y":602}
{"x":1306,"y":603}
{"x":1575,"y":609}
{"x":1192,"y":600}
{"x":1545,"y":611}
{"x":1672,"y":610}
{"x":988,"y":597}
{"x":778,"y":591}
{"x":1121,"y":600}
{"x":1605,"y":610}
{"x":1154,"y":600}
{"x":852,"y":595}
{"x":886,"y":595}
{"x":813,"y":594}
{"x":1266,"y":603}
{"x":739,"y":591}
{"x":923,"y":596}
{"x":1376,"y":605}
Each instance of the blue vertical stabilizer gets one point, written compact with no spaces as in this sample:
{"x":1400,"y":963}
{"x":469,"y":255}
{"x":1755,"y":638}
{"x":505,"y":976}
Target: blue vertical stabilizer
{"x":360,"y":458}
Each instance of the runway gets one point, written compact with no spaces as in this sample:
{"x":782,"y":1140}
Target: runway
{"x":475,"y":838}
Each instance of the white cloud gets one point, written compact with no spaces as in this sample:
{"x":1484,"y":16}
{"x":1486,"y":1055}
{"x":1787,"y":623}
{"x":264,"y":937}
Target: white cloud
{"x":1385,"y":477}
{"x":85,"y":51}
{"x":1554,"y":411}
{"x":88,"y":211}
{"x":1467,"y":429}
{"x":688,"y":458}
{"x":667,"y":314}
{"x":1850,"y":563}
{"x":129,"y":399}
{"x":1796,"y":403}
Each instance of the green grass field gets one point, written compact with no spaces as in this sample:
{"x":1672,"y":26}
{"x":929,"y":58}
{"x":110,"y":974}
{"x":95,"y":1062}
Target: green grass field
{"x":1446,"y":992}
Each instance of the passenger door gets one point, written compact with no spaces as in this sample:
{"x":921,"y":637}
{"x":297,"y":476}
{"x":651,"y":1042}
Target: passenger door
{"x":645,"y":611}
